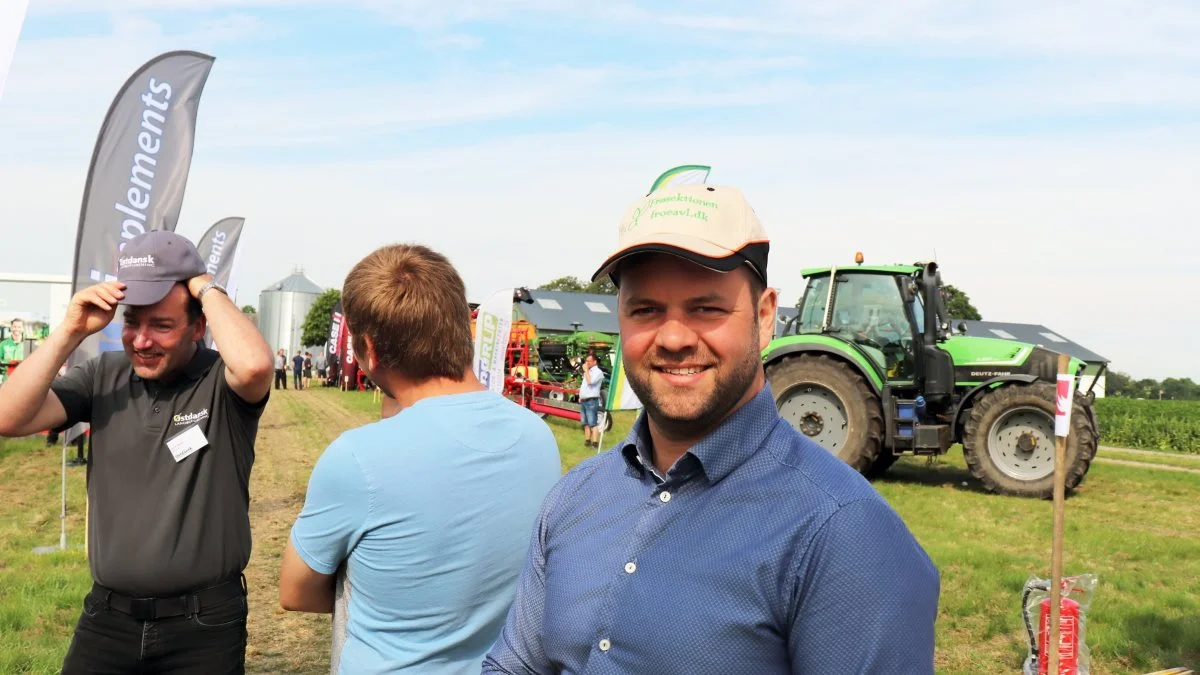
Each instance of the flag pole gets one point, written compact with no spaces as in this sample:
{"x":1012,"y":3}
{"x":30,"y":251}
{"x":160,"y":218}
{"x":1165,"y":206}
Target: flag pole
{"x":603,"y":423}
{"x":62,"y":516}
{"x":62,"y":536}
{"x":1061,"y":432}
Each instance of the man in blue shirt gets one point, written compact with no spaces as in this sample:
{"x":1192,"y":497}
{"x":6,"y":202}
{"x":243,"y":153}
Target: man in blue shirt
{"x":430,"y":508}
{"x":715,"y":538}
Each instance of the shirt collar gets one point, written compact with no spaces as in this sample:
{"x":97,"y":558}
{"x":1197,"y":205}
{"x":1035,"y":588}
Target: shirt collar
{"x":723,"y":450}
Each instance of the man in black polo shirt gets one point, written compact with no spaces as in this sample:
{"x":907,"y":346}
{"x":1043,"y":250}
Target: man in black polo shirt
{"x":173,"y":429}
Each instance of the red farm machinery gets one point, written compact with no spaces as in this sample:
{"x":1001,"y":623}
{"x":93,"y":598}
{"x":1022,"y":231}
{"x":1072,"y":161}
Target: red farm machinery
{"x":543,"y":374}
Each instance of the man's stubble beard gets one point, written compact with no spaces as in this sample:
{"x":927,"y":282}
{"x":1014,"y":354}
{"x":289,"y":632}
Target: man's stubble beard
{"x":728,"y":392}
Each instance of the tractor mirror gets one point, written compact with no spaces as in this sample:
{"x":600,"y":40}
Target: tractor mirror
{"x":906,"y":291}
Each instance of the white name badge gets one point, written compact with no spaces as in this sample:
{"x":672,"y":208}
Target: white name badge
{"x":187,"y":442}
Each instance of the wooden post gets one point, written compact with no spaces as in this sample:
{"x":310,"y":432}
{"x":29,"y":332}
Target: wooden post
{"x":1056,"y":552}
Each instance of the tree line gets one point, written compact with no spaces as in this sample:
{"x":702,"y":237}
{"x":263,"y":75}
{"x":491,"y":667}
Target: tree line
{"x":316,"y":331}
{"x":1117,"y":383}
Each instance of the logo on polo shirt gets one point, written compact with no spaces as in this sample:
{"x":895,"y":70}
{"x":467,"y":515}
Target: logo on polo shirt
{"x":136,"y":261}
{"x":190,"y":418}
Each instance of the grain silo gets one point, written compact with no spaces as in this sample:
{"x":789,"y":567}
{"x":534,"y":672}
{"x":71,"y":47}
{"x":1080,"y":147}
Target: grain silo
{"x":282,"y":307}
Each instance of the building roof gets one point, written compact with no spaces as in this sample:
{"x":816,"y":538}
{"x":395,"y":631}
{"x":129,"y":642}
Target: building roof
{"x":1019,"y":332}
{"x":1032,"y":334}
{"x":556,"y":310}
{"x":296,"y":283}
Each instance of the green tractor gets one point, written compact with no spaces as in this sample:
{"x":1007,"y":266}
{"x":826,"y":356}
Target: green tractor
{"x":871,"y":369}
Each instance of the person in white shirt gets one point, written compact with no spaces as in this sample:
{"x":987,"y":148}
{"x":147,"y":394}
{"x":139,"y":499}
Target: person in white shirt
{"x":589,"y":401}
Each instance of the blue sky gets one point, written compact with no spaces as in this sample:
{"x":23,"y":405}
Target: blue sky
{"x":1042,"y":150}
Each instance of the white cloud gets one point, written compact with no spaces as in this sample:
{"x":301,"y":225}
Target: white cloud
{"x":455,"y":41}
{"x":1059,"y":27}
{"x":1019,"y":224}
{"x":1014,"y":219}
{"x":1166,"y":28}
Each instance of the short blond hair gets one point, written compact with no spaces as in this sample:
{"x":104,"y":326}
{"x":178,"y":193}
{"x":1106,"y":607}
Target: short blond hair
{"x":413,"y":305}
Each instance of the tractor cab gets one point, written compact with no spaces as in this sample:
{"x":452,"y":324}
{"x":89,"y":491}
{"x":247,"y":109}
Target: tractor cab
{"x":881,"y":310}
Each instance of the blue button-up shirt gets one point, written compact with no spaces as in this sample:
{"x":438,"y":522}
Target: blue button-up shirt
{"x":759,"y":552}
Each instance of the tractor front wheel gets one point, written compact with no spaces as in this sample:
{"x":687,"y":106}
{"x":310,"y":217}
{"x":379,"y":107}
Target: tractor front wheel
{"x":1008,"y":441}
{"x":827,"y":401}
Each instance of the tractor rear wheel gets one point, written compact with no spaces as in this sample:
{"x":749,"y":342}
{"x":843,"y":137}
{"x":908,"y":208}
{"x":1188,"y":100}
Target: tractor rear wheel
{"x":1008,"y":441}
{"x":827,"y":401}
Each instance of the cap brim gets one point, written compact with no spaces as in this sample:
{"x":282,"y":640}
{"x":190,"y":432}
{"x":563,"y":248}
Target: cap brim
{"x":694,"y":250}
{"x":141,"y":293}
{"x":699,"y":251}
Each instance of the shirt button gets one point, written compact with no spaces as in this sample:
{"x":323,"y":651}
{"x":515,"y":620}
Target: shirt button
{"x":630,"y":567}
{"x":605,"y":645}
{"x":664,"y":496}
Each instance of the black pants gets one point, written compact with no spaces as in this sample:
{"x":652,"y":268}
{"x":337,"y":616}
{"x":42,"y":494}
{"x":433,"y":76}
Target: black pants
{"x":280,"y":378}
{"x":296,"y":375}
{"x":211,"y":641}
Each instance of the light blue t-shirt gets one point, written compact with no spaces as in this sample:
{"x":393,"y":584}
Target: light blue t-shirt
{"x":432,"y":511}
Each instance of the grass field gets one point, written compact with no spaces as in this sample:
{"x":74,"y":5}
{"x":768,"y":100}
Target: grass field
{"x":1137,"y":528}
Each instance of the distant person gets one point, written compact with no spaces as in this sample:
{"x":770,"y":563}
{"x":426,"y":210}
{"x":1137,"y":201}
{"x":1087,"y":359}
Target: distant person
{"x":308,"y":368}
{"x":589,"y":401}
{"x":12,"y":348}
{"x":430,"y":508}
{"x":173,"y":427}
{"x":298,"y":370}
{"x":715,"y":538}
{"x":281,"y":369}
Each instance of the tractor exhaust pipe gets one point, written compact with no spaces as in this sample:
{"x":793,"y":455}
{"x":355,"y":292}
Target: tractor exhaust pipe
{"x":933,"y":304}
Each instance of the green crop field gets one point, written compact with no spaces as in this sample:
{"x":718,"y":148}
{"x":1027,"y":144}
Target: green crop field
{"x":1150,"y":425}
{"x":1136,"y":527}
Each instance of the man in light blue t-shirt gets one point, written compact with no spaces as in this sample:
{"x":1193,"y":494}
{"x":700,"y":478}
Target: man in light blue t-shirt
{"x":431,"y":509}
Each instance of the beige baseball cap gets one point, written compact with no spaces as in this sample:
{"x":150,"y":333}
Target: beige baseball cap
{"x":710,"y":225}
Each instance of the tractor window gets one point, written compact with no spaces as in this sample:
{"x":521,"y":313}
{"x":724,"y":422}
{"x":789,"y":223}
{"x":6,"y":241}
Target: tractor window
{"x":869,"y":311}
{"x":918,"y":312}
{"x":812,"y":311}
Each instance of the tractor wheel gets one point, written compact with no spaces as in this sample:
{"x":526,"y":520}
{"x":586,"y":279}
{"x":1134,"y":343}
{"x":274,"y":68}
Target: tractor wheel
{"x":1008,"y":441}
{"x":831,"y":404}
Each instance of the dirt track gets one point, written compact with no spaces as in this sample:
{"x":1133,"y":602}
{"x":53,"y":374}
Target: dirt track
{"x":1184,"y":459}
{"x":1152,"y":453}
{"x":1146,"y":465}
{"x":296,"y":427}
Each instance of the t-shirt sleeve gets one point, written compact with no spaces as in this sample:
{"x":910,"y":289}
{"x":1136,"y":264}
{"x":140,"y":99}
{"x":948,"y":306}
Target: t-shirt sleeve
{"x":249,"y":409}
{"x":866,"y":596}
{"x":335,"y":511}
{"x":75,"y":390}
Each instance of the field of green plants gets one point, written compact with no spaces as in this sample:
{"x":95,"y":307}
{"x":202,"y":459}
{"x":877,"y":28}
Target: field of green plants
{"x":1150,"y":424}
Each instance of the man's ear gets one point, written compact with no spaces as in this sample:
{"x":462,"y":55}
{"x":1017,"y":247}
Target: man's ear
{"x":372,"y":358}
{"x":768,"y":312}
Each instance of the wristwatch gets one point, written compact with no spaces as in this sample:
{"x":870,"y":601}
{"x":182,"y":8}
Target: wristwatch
{"x":210,"y":285}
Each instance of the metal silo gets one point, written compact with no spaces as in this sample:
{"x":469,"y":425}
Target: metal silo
{"x":282,"y":307}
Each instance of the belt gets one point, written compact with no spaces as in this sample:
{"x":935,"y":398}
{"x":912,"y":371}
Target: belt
{"x":188,"y":604}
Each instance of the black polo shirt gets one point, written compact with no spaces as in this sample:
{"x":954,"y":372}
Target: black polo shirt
{"x":159,"y":526}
